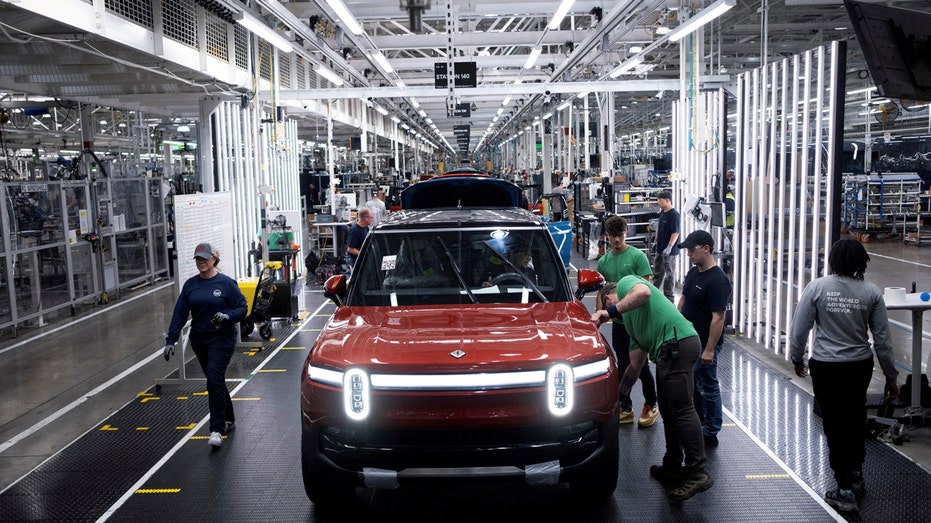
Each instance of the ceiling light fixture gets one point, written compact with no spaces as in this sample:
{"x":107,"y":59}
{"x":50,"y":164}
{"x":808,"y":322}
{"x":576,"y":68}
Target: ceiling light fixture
{"x":532,"y":57}
{"x":329,"y":75}
{"x":383,"y":62}
{"x":564,"y":105}
{"x":696,"y":22}
{"x":260,"y":29}
{"x":381,"y":110}
{"x":560,"y":13}
{"x":342,"y":12}
{"x":626,"y":66}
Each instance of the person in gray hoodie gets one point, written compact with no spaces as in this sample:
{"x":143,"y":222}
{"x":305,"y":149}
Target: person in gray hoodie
{"x":846,"y":309}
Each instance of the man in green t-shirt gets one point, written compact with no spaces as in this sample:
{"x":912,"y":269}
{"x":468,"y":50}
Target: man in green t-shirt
{"x":658,"y":331}
{"x":624,"y":260}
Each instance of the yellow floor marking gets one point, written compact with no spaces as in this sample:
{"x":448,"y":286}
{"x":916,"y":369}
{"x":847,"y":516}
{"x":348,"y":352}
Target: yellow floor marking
{"x":108,"y":427}
{"x":145,"y":394}
{"x":186,"y":427}
{"x":272,"y":370}
{"x":149,"y":399}
{"x":292,"y":348}
{"x":728,"y":424}
{"x":142,"y":428}
{"x":181,"y":398}
{"x":251,"y":353}
{"x":206,"y":437}
{"x":200,"y":393}
{"x":767,"y":476}
{"x":158,"y":491}
{"x":246,"y":399}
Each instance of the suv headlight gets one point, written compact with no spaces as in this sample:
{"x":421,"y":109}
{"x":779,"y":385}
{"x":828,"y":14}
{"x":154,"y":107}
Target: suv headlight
{"x":560,"y":388}
{"x":356,"y":395}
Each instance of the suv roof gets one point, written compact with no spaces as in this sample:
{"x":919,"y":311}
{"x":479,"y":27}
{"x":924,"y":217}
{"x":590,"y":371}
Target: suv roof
{"x":463,"y":190}
{"x":459,"y":217}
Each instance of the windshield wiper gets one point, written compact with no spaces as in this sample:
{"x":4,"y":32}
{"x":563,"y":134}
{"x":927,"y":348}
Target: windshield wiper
{"x":519,"y":272}
{"x":456,"y":270}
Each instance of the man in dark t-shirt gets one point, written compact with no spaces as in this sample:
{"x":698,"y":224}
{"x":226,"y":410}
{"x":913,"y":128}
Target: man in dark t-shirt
{"x":357,"y":234}
{"x":705,"y":295}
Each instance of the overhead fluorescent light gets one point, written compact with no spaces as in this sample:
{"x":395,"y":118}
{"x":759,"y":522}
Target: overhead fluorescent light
{"x":628,"y":64}
{"x":507,"y":100}
{"x":565,"y":104}
{"x":329,"y":75}
{"x":345,"y":16}
{"x":706,"y":15}
{"x":532,"y":57}
{"x":260,"y":29}
{"x":415,"y":103}
{"x":560,"y":13}
{"x":381,"y":110}
{"x":383,"y":62}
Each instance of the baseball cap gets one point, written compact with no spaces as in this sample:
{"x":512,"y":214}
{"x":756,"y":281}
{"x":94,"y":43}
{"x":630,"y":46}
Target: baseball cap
{"x":205,"y":251}
{"x":697,"y":238}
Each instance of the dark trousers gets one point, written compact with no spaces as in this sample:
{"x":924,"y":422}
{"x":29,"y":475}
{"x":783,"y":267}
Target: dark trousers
{"x":840,"y":390}
{"x":214,"y":354}
{"x":664,"y":275}
{"x":620,"y":341}
{"x":685,"y":446}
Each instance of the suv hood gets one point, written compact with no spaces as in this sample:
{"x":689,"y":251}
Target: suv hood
{"x":494,"y":339}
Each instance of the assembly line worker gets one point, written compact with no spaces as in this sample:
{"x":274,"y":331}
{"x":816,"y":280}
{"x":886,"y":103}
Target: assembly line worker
{"x":357,"y":234}
{"x":623,"y":260}
{"x":706,"y":292}
{"x":659,"y":331}
{"x":846,"y":309}
{"x":666,"y":246}
{"x":215,"y":304}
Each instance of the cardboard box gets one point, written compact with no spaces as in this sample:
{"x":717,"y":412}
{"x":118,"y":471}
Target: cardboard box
{"x":620,"y":179}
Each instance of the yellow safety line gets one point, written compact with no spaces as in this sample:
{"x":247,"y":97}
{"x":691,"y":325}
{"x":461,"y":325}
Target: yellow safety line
{"x":766,"y":476}
{"x":158,"y":491}
{"x":245,"y":399}
{"x":108,"y":427}
{"x":272,"y":370}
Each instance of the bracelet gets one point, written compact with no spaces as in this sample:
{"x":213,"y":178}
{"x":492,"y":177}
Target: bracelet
{"x":612,"y":311}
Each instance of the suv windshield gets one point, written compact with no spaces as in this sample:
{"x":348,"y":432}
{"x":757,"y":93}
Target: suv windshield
{"x":456,"y":266}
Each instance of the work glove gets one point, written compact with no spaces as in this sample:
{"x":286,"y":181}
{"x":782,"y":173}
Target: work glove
{"x":168,"y":351}
{"x":219,"y":318}
{"x":667,"y":251}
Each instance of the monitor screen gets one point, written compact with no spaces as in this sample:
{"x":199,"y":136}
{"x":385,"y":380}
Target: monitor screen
{"x":897,"y":46}
{"x":717,"y":214}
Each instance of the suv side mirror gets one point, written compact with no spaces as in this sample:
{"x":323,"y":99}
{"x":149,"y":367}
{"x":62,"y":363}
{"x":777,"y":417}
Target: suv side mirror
{"x":589,"y":280}
{"x":335,"y":288}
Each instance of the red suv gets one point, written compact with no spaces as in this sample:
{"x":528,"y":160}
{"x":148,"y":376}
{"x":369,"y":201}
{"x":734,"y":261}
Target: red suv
{"x":459,"y":351}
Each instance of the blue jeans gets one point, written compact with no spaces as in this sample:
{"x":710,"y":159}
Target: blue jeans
{"x":708,"y":395}
{"x":214,"y":353}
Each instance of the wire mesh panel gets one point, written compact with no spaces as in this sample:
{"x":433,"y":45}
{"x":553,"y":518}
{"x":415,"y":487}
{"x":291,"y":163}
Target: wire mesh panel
{"x":139,"y":11}
{"x":301,"y":72}
{"x":241,"y":46}
{"x":284,"y":69}
{"x":217,"y":37}
{"x":180,"y":21}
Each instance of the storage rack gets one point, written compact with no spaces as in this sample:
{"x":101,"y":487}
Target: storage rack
{"x":882,"y":203}
{"x":638,"y":205}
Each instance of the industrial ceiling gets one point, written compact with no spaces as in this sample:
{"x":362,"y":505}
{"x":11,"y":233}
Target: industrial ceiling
{"x":57,"y":52}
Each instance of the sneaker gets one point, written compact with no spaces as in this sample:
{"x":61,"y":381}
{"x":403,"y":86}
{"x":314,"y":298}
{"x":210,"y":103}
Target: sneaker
{"x":843,"y":501}
{"x":698,"y":483}
{"x":216,"y":439}
{"x":625,"y":417}
{"x":229,"y":426}
{"x":859,"y":484}
{"x":648,"y":416}
{"x":710,"y":441}
{"x":661,"y":473}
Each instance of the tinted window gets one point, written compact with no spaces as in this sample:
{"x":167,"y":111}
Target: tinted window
{"x":502,"y":265}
